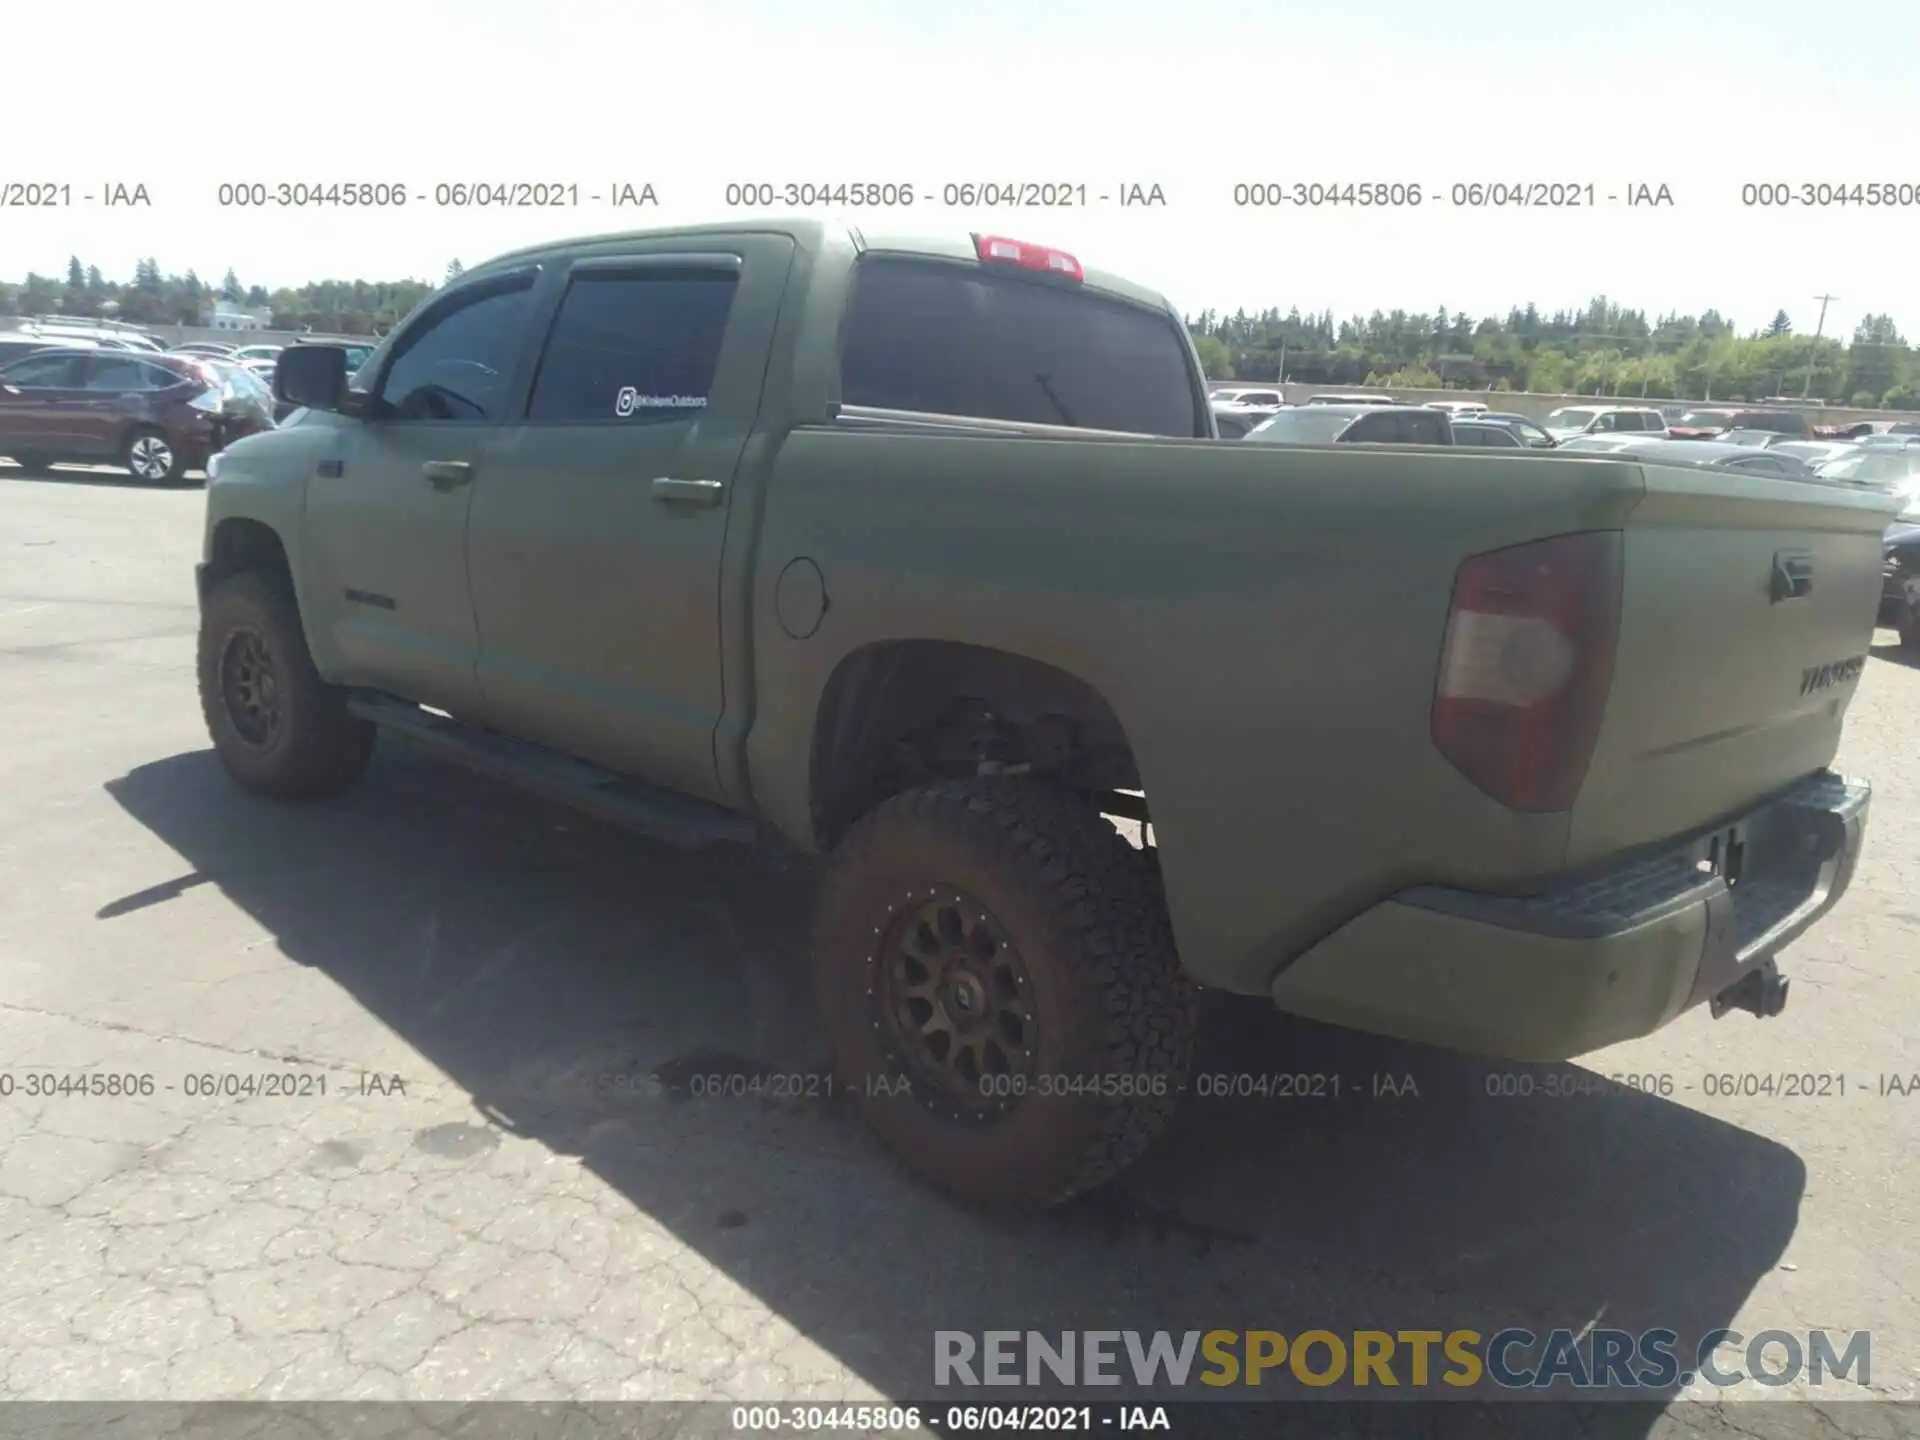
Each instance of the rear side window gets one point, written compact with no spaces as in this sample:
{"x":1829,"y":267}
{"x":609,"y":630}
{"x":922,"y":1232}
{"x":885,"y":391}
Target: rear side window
{"x":122,"y":372}
{"x":1485,"y":435}
{"x":637,"y":347}
{"x":950,"y":339}
{"x":1401,"y":427}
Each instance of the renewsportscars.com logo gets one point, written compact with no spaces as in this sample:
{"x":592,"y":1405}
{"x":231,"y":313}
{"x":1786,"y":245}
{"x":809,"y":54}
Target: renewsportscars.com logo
{"x":1511,"y":1359}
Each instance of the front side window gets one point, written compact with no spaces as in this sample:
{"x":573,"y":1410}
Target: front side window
{"x":44,"y":372}
{"x":459,"y":363}
{"x":635,"y":347}
{"x":968,"y":340}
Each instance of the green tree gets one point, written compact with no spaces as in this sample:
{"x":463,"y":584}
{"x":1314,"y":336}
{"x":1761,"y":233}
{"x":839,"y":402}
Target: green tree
{"x":1780,"y":324}
{"x":1215,"y":362}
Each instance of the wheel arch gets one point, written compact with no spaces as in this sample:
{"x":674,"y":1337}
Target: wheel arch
{"x":904,"y":712}
{"x":238,"y":543}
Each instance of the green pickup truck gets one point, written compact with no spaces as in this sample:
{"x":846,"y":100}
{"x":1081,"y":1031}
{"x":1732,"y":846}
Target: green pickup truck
{"x":923,"y":555}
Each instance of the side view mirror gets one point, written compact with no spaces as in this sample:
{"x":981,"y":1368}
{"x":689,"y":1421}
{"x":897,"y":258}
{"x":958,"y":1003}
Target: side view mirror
{"x":312,"y":377}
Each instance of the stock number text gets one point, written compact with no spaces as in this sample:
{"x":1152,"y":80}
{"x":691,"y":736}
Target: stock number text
{"x":1371,"y":194}
{"x":760,"y":194}
{"x":1873,"y":195}
{"x":278,"y":195}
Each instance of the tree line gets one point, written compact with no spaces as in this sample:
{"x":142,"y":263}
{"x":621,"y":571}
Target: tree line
{"x":1605,"y":349}
{"x":341,"y":307}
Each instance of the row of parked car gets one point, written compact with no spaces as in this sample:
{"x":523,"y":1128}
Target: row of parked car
{"x":85,"y":394}
{"x":1882,"y":455}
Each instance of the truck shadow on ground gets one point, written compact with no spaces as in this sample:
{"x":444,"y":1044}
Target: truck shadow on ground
{"x":521,"y":948}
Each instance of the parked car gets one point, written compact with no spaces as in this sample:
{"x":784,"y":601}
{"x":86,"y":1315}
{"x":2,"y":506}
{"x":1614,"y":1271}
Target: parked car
{"x":1717,"y":455}
{"x":1814,"y":452}
{"x":204,"y":347}
{"x":1571,"y":420}
{"x":1458,"y":407}
{"x":1601,"y":444}
{"x":1532,"y":433}
{"x":247,"y":394}
{"x":67,"y":330}
{"x":1265,"y":399}
{"x":1713,"y":424}
{"x":157,"y":415}
{"x":1471,"y":430}
{"x":1513,"y":783}
{"x":1900,"y":569}
{"x":15,"y":346}
{"x":1355,"y":425}
{"x":1883,"y":467}
{"x":1357,"y":398}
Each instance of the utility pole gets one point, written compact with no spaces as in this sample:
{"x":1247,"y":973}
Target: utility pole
{"x":1820,"y":325}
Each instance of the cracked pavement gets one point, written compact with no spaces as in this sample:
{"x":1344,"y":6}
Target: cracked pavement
{"x":509,"y":1152}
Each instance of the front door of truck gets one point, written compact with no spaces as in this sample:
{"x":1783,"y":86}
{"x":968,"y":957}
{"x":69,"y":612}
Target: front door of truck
{"x":386,"y":523}
{"x":595,"y":540}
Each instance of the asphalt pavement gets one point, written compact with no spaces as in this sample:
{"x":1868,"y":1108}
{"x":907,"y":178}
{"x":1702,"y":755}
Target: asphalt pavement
{"x":438,"y":1092}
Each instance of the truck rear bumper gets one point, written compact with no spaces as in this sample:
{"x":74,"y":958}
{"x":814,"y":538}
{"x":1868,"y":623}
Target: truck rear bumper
{"x":1594,"y":959}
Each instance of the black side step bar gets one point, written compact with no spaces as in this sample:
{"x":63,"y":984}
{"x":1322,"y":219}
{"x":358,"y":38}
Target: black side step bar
{"x":665,"y":815}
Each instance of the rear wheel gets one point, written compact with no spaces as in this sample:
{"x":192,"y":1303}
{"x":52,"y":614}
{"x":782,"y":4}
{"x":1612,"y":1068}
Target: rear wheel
{"x":277,"y":727}
{"x":998,"y":979}
{"x":152,"y":457}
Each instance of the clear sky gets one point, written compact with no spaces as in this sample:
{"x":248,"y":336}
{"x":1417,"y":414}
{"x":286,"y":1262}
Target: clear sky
{"x":1195,"y":97}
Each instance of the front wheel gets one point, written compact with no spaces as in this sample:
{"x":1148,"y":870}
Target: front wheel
{"x":998,"y":980}
{"x":278,"y":728}
{"x":150,"y":456}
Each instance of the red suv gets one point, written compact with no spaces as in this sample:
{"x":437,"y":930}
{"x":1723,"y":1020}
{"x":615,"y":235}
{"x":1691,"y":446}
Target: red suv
{"x":158,"y":415}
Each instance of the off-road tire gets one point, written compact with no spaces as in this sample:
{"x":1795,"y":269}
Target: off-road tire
{"x":147,"y":434}
{"x":1086,"y":913}
{"x":319,"y":748}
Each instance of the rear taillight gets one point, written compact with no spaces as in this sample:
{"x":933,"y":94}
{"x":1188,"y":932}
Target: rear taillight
{"x":1527,"y":665}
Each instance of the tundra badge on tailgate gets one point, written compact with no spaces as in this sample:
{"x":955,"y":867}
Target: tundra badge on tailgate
{"x":1837,"y":672}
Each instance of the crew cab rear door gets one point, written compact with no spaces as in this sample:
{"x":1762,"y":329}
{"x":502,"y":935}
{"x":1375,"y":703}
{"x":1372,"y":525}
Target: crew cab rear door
{"x":594,"y":545}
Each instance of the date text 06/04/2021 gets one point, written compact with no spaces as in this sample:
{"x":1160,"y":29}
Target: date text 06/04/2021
{"x":1058,"y":194}
{"x":472,"y":194}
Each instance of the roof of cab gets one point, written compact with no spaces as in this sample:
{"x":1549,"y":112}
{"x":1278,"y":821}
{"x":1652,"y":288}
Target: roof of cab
{"x":811,"y":235}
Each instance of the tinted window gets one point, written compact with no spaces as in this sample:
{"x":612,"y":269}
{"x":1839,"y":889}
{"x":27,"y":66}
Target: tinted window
{"x":44,"y":372}
{"x":124,"y":372}
{"x":1315,"y":425}
{"x":958,"y":340}
{"x":459,"y":364}
{"x":1485,"y":435}
{"x":634,"y":347}
{"x":1400,"y":427}
{"x":1765,"y":464}
{"x":1260,"y":397}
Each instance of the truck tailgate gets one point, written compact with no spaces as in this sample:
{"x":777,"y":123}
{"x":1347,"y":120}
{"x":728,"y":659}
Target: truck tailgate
{"x":1747,"y":609}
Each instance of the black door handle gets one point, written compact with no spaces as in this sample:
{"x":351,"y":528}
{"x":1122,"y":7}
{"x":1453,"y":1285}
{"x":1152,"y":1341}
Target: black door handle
{"x":447,"y":474}
{"x":1792,"y":576}
{"x":703,"y":493}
